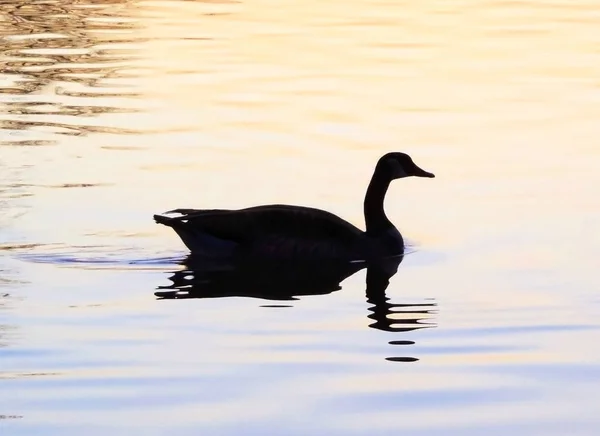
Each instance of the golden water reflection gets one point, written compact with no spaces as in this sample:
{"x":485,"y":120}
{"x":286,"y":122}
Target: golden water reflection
{"x":63,"y":62}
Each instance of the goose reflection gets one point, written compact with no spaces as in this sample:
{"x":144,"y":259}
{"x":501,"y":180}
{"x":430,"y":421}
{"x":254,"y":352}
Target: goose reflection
{"x":285,"y":281}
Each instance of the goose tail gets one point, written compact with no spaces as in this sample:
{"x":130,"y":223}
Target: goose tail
{"x":198,"y":241}
{"x":165,"y":220}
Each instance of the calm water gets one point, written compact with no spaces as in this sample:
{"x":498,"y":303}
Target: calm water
{"x":111,"y":111}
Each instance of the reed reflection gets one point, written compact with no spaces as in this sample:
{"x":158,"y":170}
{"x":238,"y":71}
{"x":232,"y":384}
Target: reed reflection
{"x":64,"y":59}
{"x":286,"y":281}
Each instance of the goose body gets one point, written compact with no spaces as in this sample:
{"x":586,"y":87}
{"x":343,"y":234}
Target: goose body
{"x":295,"y":232}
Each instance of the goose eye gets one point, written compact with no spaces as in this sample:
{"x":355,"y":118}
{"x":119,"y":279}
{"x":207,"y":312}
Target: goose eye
{"x":398,"y":170}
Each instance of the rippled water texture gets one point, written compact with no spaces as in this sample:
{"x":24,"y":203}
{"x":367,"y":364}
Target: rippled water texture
{"x":111,"y":111}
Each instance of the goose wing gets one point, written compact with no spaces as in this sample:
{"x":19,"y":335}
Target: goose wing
{"x":274,"y":229}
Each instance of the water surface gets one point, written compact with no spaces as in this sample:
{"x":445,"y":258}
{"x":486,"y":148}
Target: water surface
{"x":112,"y":111}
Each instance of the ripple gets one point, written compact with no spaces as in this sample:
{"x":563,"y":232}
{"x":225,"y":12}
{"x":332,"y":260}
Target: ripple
{"x":114,"y":261}
{"x":402,"y":359}
{"x":401,"y":342}
{"x":275,"y":306}
{"x":10,"y":247}
{"x":27,"y":143}
{"x":57,"y":53}
{"x":91,"y":256}
{"x":62,"y":185}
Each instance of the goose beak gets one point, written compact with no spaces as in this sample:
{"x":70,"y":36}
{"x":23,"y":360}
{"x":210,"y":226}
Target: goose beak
{"x":422,"y":173}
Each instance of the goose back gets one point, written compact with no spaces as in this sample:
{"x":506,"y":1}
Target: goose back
{"x":276,"y":230}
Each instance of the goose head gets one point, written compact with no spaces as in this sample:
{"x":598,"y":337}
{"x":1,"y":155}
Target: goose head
{"x":397,"y":165}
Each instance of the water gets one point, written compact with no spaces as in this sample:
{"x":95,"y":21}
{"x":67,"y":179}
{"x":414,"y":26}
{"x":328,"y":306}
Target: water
{"x":113,"y":111}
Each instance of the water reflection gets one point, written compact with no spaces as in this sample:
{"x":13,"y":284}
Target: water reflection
{"x":287,"y":281}
{"x":378,"y":277}
{"x":62,"y":60}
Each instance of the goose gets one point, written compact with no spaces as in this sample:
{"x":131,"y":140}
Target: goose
{"x":279,"y":231}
